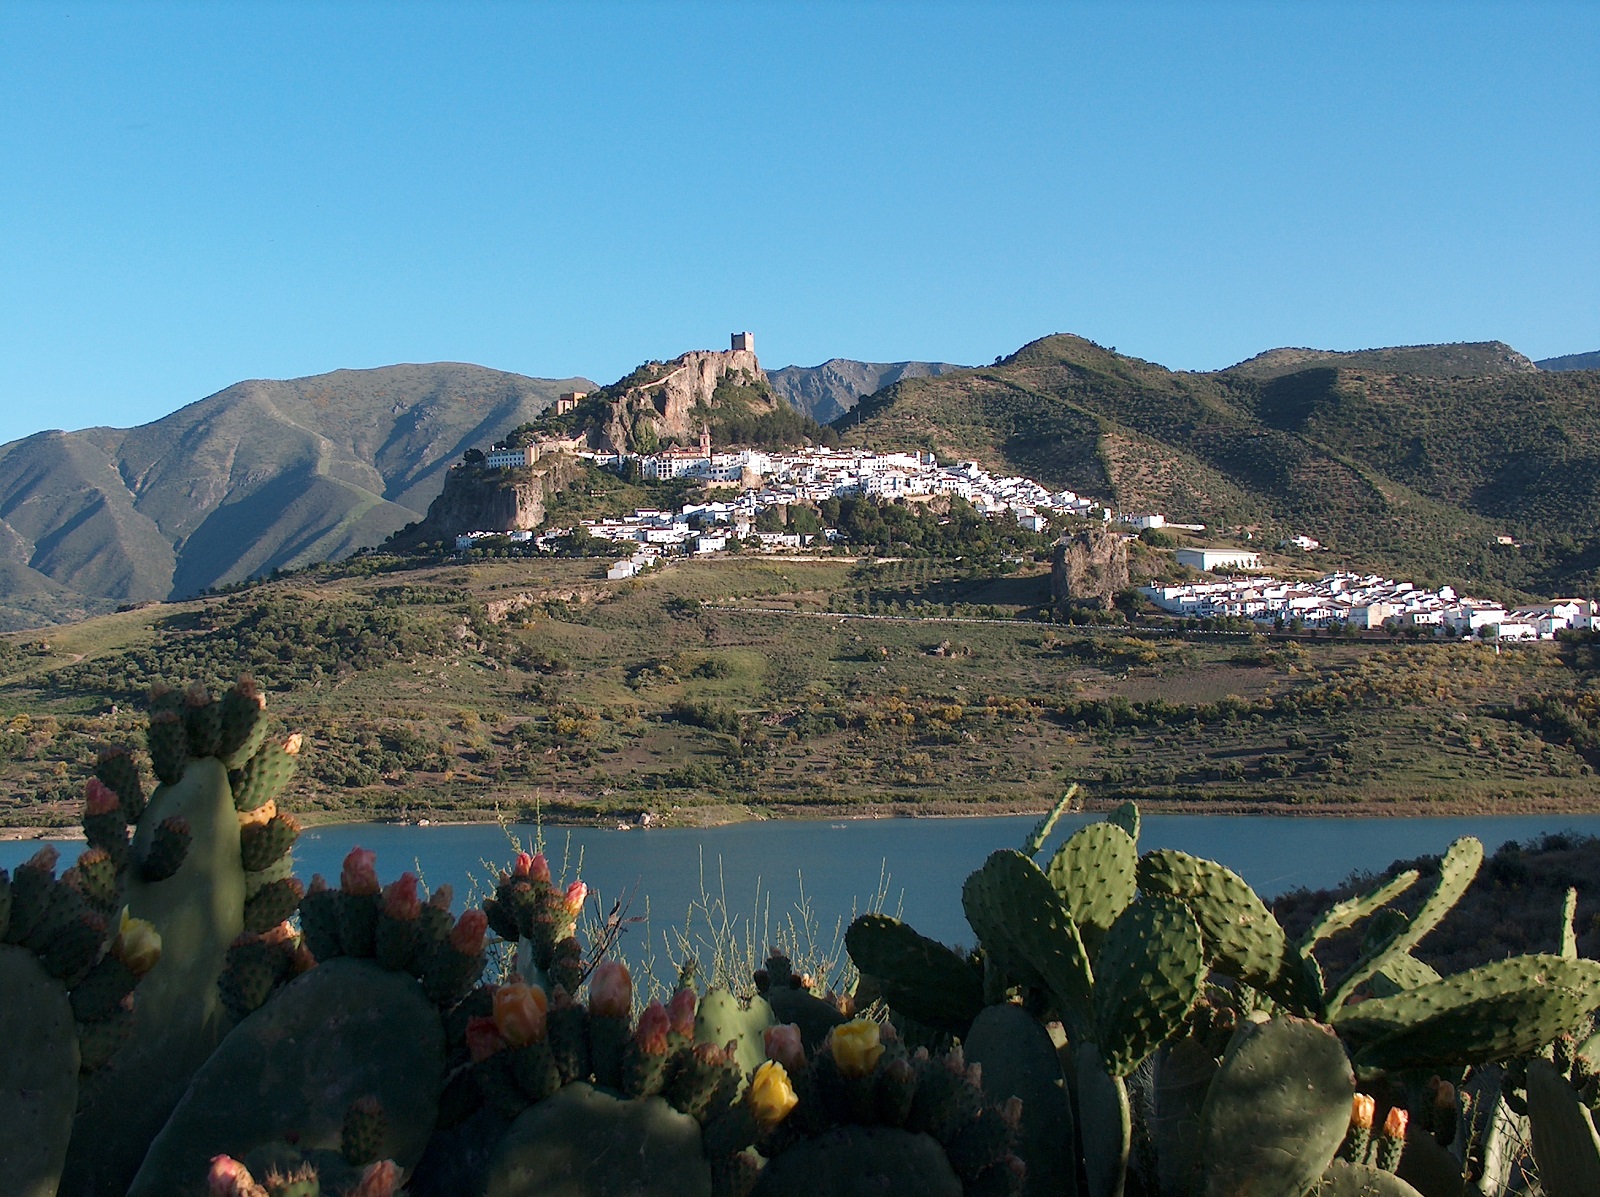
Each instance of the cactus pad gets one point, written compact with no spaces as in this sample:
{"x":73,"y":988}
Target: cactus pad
{"x":1565,"y":1143}
{"x":1023,"y":922}
{"x":1276,"y":1112}
{"x":1147,"y":978}
{"x":586,"y":1143}
{"x":340,"y":1032}
{"x":1242,"y":937}
{"x":919,"y":977}
{"x":1096,"y":874}
{"x":1508,"y":1008}
{"x":38,"y":1075}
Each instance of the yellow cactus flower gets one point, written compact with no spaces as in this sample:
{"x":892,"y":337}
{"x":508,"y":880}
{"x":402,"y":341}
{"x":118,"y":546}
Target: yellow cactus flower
{"x":519,"y":1013}
{"x":292,"y":744}
{"x":138,"y":944}
{"x":856,"y":1047}
{"x":770,"y":1095}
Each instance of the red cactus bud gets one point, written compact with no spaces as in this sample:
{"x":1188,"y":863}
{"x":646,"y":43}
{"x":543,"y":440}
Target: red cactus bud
{"x":1444,"y":1095}
{"x":681,"y":1011}
{"x":467,"y":935}
{"x":610,"y":990}
{"x":360,"y":872}
{"x":524,"y":865}
{"x":483,"y":1038}
{"x":577,"y":895}
{"x":99,"y":798}
{"x":651,"y":1033}
{"x":319,"y":884}
{"x":783,"y":1045}
{"x":400,"y":899}
{"x":1394,"y":1126}
{"x":539,"y":868}
{"x":441,"y":898}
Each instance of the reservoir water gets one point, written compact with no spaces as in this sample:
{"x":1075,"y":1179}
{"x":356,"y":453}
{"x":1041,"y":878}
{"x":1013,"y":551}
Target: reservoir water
{"x":918,"y":865}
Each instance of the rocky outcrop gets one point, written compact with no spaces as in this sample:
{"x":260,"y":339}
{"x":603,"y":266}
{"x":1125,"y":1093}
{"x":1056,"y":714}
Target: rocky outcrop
{"x":475,"y":499}
{"x":671,"y":403}
{"x":1089,"y":568}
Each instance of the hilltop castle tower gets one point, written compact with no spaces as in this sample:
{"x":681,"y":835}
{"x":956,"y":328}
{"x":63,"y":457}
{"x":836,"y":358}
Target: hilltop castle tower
{"x":745,"y":341}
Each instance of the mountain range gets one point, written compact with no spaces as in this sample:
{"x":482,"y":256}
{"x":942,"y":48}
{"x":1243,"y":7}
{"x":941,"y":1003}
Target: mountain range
{"x":269,"y":474}
{"x":1418,"y":457}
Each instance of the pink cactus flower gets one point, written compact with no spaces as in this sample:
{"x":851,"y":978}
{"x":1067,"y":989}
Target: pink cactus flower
{"x":539,"y":868}
{"x":681,"y":1010}
{"x":577,"y":895}
{"x":229,"y":1178}
{"x":783,"y":1045}
{"x":99,"y":798}
{"x":379,"y":1180}
{"x":523,"y":867}
{"x":360,"y":872}
{"x":610,"y":990}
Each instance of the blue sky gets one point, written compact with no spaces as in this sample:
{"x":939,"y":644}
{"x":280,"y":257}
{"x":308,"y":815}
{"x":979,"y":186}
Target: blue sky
{"x":195,"y":194}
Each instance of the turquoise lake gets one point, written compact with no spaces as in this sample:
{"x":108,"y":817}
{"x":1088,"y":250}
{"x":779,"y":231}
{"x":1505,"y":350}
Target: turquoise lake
{"x":760,"y":867}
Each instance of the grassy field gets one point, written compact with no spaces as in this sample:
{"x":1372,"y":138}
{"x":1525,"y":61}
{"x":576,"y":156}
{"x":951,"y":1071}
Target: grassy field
{"x":755,"y":687}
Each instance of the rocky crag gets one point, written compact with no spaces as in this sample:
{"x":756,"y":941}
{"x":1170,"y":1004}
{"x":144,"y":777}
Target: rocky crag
{"x":1089,"y":568}
{"x":677,"y":400}
{"x":479,"y":499}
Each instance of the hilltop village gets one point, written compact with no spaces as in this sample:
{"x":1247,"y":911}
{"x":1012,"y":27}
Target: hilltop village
{"x":761,"y":481}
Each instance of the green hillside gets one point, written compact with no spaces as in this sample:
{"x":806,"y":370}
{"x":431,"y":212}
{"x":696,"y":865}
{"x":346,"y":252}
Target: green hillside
{"x":258,"y":476}
{"x":770,"y":685}
{"x":1417,"y":473}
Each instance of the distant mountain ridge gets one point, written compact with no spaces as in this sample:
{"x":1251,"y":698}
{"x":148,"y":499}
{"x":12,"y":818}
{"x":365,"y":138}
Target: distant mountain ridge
{"x":1413,"y":457}
{"x":1468,"y":359}
{"x":260,"y":475}
{"x":827,"y":391}
{"x":1571,"y":361}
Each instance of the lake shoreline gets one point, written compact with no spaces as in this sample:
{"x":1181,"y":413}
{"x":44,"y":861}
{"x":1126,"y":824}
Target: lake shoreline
{"x":734,"y":813}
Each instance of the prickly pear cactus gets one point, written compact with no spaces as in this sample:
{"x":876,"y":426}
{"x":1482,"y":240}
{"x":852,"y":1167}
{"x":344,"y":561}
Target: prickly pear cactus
{"x":346,"y":1030}
{"x":901,"y":1123}
{"x":202,"y":870}
{"x":66,"y":1000}
{"x":1566,"y":1145}
{"x":1018,"y":1060}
